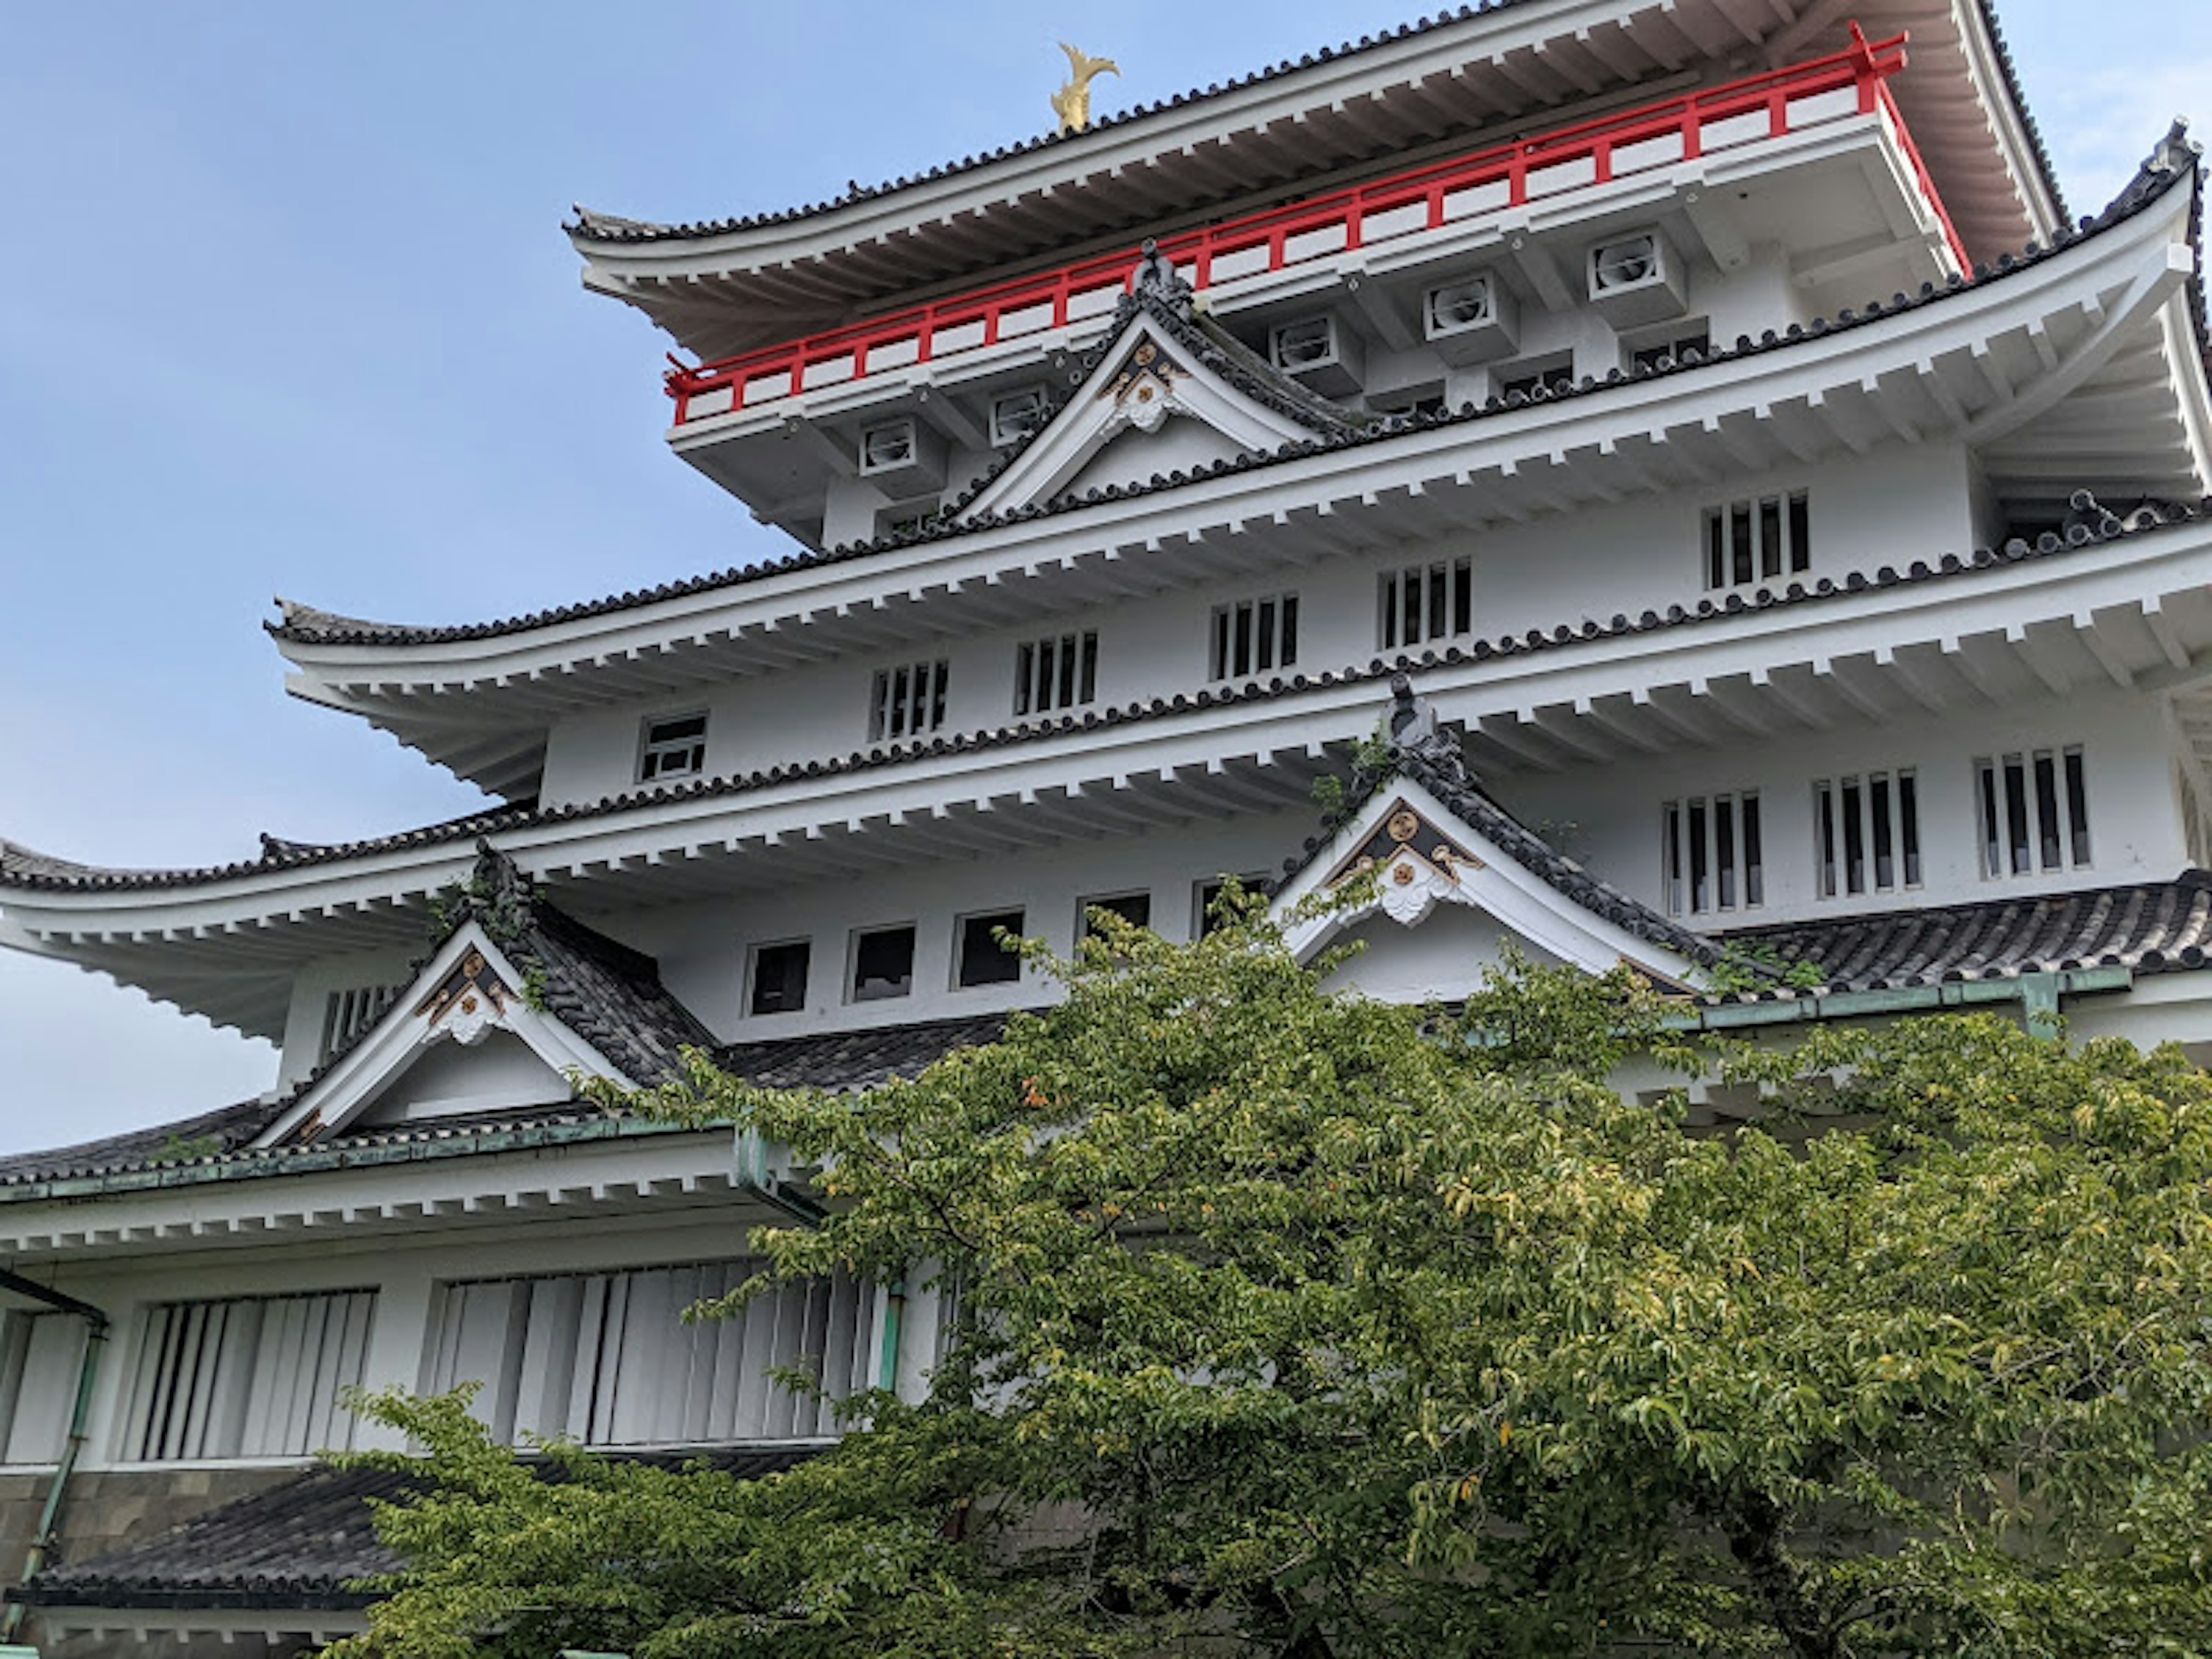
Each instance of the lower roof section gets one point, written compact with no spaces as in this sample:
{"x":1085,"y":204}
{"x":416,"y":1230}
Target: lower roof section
{"x":300,"y":1545}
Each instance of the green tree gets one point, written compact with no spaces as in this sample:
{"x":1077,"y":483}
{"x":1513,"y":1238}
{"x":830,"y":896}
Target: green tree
{"x":1296,"y":1326}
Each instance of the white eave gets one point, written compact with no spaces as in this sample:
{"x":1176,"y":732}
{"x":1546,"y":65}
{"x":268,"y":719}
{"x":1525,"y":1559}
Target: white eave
{"x":721,"y":290}
{"x":2081,"y":371}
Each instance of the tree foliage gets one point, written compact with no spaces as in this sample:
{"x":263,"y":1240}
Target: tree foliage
{"x":1297,"y":1326}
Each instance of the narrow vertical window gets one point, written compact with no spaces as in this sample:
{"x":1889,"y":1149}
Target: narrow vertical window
{"x":907,"y":700}
{"x":1823,"y":830}
{"x":1059,"y":671}
{"x":1420,"y":603}
{"x":2034,"y":811}
{"x":1711,"y":855}
{"x":1256,"y":637}
{"x":1761,"y":538}
{"x":1854,"y":838}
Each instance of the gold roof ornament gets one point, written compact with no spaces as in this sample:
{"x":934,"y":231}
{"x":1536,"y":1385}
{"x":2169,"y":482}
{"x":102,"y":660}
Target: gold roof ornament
{"x":1072,"y":103}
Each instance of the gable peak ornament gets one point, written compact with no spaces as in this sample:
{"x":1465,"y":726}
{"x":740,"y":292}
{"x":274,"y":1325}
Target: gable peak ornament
{"x":1072,"y":103}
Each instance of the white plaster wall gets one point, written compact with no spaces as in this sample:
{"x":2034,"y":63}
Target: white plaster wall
{"x":1135,"y":457}
{"x":498,"y":1073}
{"x":1891,"y":506}
{"x":1609,"y":817}
{"x":704,"y":948}
{"x":1442,"y":959}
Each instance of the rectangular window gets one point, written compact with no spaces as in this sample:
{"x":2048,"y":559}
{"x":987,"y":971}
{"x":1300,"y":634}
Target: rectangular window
{"x":1254,"y":636}
{"x":347,"y":1014}
{"x":607,"y":1358}
{"x":778,"y":978}
{"x":983,"y":960}
{"x":1866,"y":833}
{"x":1135,"y":909}
{"x":1204,"y":917}
{"x":1424,"y":601}
{"x":2034,"y":808}
{"x":40,"y":1355}
{"x":908,"y":699}
{"x":1058,"y":672}
{"x":1761,"y":539}
{"x":674,"y":748}
{"x":883,"y":964}
{"x":252,"y":1376}
{"x":1712,"y":854}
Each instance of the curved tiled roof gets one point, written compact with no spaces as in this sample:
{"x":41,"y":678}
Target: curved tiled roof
{"x":2094,"y":527}
{"x":613,"y":228}
{"x":2171,"y":162}
{"x":2154,"y":927}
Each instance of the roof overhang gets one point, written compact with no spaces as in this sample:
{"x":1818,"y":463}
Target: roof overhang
{"x":723,"y":290}
{"x":2133,"y":611}
{"x":2082,"y":366}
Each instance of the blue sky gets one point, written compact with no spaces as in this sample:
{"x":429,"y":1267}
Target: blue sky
{"x":286,"y":309}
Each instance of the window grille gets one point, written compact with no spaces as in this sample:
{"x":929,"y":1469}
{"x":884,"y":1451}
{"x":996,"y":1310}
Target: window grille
{"x":1255,"y":636}
{"x":1711,"y":855}
{"x":1016,"y":415}
{"x":2034,"y":808}
{"x":347,"y":1014}
{"x":675,"y":747}
{"x":780,"y":977}
{"x":983,"y":960}
{"x":1867,"y":833}
{"x":1424,"y":601}
{"x":606,"y":1358}
{"x":252,"y":1376}
{"x":1058,"y":672}
{"x":1761,"y":538}
{"x":40,"y":1355}
{"x":908,"y":699}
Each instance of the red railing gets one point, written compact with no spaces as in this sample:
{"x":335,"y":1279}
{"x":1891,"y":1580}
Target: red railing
{"x":1590,"y":154}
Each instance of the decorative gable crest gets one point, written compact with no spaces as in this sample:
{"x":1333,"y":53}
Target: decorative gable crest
{"x":1415,"y":864}
{"x":1162,"y":358}
{"x":470,"y":1001}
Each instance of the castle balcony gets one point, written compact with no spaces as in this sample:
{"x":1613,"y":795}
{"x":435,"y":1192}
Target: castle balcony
{"x":1814,"y":160}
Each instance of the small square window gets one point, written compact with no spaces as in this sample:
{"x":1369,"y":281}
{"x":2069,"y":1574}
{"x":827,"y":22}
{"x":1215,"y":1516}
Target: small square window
{"x":675,"y":747}
{"x":883,"y":964}
{"x":780,"y":977}
{"x":983,"y":960}
{"x":1207,"y":918}
{"x":1135,"y":909}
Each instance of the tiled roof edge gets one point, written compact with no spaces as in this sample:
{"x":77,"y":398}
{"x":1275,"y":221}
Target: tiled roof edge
{"x":613,"y":229}
{"x":304,"y":625}
{"x":2103,"y":527}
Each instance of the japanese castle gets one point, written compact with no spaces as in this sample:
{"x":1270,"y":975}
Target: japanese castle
{"x":1766,"y":526}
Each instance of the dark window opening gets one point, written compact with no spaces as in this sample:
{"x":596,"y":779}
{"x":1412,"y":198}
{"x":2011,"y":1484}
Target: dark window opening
{"x":780,"y":977}
{"x":883,"y":964}
{"x":983,"y":959}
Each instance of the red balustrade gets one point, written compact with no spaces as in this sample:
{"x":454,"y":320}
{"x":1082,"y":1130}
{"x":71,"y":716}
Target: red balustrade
{"x":1587,"y":155}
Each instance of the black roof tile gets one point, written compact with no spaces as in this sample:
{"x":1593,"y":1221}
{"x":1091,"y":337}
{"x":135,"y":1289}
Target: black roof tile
{"x":2151,"y":927}
{"x":840,"y":1061}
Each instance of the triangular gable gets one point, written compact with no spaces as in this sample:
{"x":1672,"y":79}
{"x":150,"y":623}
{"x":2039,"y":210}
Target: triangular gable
{"x":1166,"y":392}
{"x":1427,"y":836}
{"x":469,"y":997}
